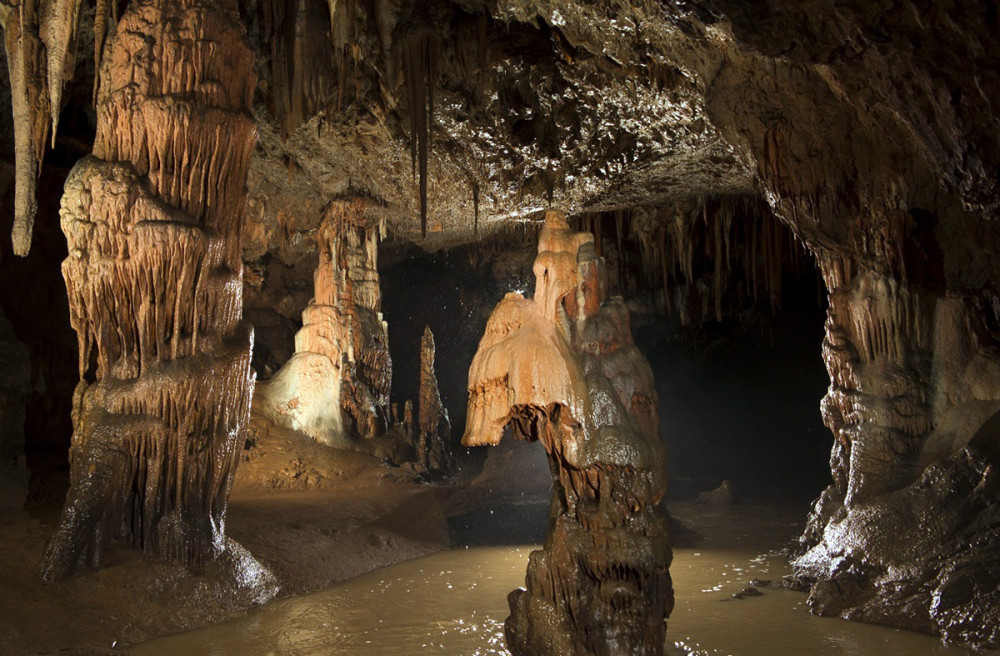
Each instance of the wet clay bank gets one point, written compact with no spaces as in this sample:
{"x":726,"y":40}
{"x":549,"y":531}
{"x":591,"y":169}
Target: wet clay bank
{"x":307,"y":526}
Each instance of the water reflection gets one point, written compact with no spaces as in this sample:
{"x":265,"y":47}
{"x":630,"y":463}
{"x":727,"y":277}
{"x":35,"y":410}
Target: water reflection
{"x":454,"y":602}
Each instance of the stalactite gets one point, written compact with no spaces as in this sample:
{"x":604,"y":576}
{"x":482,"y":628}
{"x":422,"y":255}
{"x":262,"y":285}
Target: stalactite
{"x":421,"y":54}
{"x":704,"y":255}
{"x":475,"y":205}
{"x":58,"y":31}
{"x":483,"y":45}
{"x":30,"y":103}
{"x":101,"y":17}
{"x":717,"y":236}
{"x":154,"y":221}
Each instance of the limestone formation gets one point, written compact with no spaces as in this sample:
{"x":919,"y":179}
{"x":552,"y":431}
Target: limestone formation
{"x":153,"y":221}
{"x":435,"y":426}
{"x":40,"y":43}
{"x":561,"y":368}
{"x":337,"y":383}
{"x":907,"y":533}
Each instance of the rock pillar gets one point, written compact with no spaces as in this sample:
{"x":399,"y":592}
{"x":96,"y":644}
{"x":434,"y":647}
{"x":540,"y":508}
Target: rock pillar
{"x":561,"y":368}
{"x":154,"y":222}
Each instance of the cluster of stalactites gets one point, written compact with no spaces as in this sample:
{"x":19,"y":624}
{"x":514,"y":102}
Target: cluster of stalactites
{"x":878,"y":350}
{"x":319,"y":64}
{"x":40,"y":41}
{"x":701,"y":258}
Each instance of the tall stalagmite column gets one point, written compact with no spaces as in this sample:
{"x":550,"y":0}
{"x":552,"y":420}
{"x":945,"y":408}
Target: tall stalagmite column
{"x":562,"y":368}
{"x":154,"y":222}
{"x":432,"y":447}
{"x":337,"y":384}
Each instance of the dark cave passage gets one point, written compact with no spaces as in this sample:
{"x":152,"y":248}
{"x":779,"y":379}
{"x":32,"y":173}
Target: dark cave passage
{"x":738,"y":398}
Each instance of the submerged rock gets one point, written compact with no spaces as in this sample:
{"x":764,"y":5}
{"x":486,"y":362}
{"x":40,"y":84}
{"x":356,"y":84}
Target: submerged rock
{"x":720,"y":496}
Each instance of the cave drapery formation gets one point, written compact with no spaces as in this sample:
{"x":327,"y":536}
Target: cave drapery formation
{"x":154,"y":220}
{"x":341,"y":367}
{"x":869,"y":129}
{"x":561,"y":368}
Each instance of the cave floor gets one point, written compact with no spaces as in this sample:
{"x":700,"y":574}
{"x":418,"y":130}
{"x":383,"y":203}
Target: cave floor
{"x":324,"y":527}
{"x":344,"y":515}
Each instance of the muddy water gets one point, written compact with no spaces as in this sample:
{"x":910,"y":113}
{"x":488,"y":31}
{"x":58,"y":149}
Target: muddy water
{"x":454,"y":602}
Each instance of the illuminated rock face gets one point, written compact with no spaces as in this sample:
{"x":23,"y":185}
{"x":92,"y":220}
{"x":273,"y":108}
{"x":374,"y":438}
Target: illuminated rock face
{"x":562,"y":368}
{"x":906,"y":535}
{"x":153,"y":221}
{"x":341,"y":371}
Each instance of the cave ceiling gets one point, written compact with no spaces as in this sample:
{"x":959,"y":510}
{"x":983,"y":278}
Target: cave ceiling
{"x":828,"y":111}
{"x":838,"y":114}
{"x":587,"y":107}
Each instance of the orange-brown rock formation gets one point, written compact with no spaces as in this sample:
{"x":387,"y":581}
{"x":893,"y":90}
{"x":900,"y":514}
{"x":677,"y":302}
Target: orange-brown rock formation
{"x":154,"y":221}
{"x":40,"y":43}
{"x":562,"y":368}
{"x":337,"y":383}
{"x":435,"y":426}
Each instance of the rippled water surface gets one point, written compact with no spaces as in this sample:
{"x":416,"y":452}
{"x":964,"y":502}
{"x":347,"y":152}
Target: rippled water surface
{"x":454,"y":602}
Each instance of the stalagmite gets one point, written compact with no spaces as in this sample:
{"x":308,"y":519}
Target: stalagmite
{"x":338,"y":381}
{"x":562,"y":368}
{"x":435,"y":426}
{"x":154,"y":222}
{"x":408,"y":432}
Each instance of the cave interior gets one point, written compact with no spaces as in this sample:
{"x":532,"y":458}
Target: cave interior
{"x":288,"y":263}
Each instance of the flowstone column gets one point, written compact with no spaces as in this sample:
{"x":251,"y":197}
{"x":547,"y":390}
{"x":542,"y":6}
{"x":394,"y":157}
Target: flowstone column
{"x":336,"y":385}
{"x":154,"y":222}
{"x":907,"y":532}
{"x":562,"y":368}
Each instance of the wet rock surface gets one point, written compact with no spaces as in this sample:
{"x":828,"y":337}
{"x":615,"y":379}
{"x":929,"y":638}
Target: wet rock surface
{"x":900,"y":560}
{"x":867,"y":128}
{"x":154,"y":279}
{"x":335,"y":388}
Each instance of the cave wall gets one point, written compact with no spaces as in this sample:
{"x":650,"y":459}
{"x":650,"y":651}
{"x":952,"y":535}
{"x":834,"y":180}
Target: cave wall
{"x":899,"y":209}
{"x":867,"y":127}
